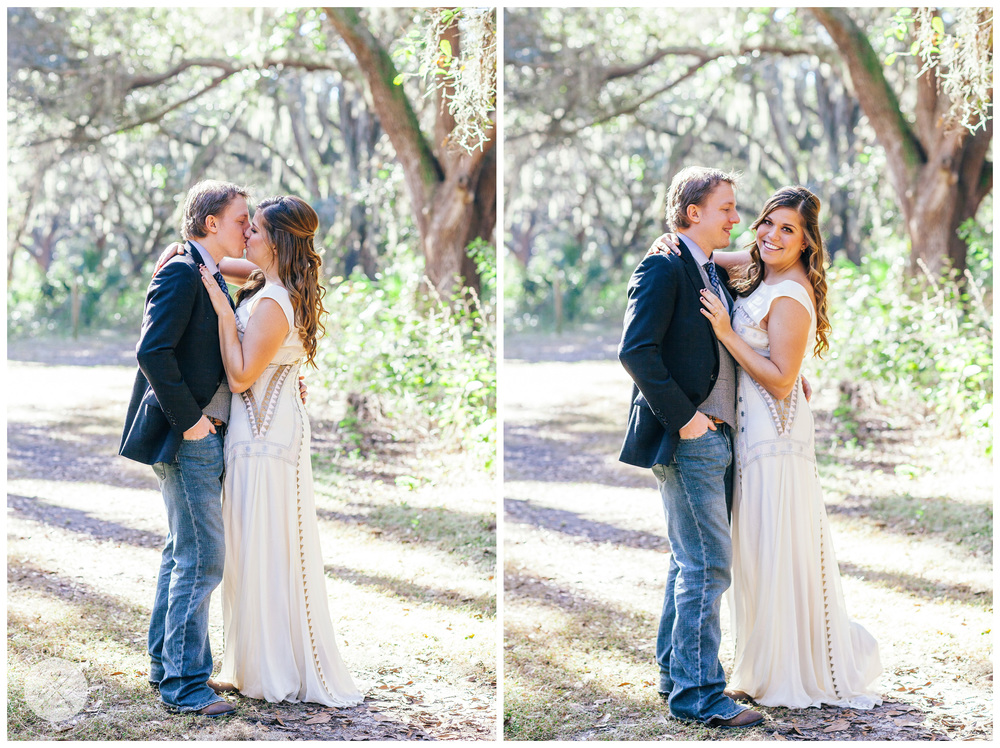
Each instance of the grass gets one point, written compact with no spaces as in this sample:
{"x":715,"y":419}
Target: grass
{"x":912,"y":522}
{"x":410,"y":576}
{"x":99,"y":636}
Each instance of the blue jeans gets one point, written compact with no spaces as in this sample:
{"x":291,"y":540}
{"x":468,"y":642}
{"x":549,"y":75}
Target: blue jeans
{"x":694,"y":487}
{"x":190,"y":568}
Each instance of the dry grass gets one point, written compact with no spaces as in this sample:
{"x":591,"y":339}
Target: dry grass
{"x":410,"y":573}
{"x":586,"y":559}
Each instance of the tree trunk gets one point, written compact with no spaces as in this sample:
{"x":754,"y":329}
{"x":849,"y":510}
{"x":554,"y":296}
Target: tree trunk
{"x":940,"y":175}
{"x":453,"y":194}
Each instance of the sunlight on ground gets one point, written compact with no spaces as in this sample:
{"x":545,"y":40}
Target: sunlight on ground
{"x":411,"y":607}
{"x":586,"y":559}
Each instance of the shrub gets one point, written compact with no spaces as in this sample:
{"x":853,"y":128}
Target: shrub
{"x":922,"y":345}
{"x":417,"y":356}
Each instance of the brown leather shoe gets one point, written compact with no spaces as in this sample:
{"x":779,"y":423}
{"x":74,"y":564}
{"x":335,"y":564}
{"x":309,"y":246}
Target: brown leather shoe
{"x":221,"y":686}
{"x":218,"y":709}
{"x":738,"y":695}
{"x":746,"y":718}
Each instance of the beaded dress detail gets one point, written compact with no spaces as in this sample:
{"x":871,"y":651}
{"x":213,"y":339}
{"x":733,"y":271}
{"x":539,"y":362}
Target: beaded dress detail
{"x":278,"y":636}
{"x":795,"y":645}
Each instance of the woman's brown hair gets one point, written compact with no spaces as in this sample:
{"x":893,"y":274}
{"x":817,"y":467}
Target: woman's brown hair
{"x":813,"y":257}
{"x":289,"y":225}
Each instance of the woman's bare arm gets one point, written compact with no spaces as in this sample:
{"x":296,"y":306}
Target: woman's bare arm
{"x":236,"y":270}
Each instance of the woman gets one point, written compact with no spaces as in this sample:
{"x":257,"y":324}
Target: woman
{"x":795,"y":646}
{"x":279,"y":638}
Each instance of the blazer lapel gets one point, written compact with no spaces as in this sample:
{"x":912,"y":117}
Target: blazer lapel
{"x":200,"y":262}
{"x":690,"y":266}
{"x":694,"y":274}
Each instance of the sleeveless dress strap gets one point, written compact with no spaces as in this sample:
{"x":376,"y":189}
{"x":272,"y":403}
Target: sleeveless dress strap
{"x":793,"y":290}
{"x":280,"y":295}
{"x":758,"y":304}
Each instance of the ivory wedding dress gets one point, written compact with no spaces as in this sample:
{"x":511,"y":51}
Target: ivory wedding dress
{"x":278,"y":636}
{"x":795,"y":645}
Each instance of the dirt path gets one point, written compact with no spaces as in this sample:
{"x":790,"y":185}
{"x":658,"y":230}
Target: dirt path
{"x":586,"y":555}
{"x":410,"y":569}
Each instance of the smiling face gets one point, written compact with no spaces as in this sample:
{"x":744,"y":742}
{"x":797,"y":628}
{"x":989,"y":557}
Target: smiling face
{"x":259,"y":250}
{"x":712,"y":221}
{"x":781,"y":238}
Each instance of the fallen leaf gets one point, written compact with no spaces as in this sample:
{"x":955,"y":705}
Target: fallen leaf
{"x":778,"y":736}
{"x":624,"y":684}
{"x":321,"y":719}
{"x":838,"y":726}
{"x":603,"y":719}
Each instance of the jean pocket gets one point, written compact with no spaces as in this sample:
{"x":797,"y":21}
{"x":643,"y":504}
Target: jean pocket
{"x":696,"y":438}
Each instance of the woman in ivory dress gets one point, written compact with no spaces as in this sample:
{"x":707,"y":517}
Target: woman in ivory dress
{"x":795,"y":645}
{"x":278,"y":635}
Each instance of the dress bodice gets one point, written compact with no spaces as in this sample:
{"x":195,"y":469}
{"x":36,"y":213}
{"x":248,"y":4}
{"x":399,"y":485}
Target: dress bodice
{"x":752,"y":309}
{"x":291,"y":350}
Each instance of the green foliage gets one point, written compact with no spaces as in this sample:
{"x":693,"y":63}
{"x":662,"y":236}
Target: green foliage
{"x":465,"y":81}
{"x":919,"y":345}
{"x":417,"y":356}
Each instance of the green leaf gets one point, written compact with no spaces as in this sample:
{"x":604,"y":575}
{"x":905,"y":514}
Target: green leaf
{"x":914,"y":48}
{"x":903,"y":12}
{"x":900,"y":33}
{"x":446,"y":47}
{"x":890,"y":59}
{"x":398,"y":80}
{"x":937,"y":24}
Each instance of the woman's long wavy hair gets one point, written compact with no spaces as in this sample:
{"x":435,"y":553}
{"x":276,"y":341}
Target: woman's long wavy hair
{"x":289,"y":225}
{"x":813,"y":257}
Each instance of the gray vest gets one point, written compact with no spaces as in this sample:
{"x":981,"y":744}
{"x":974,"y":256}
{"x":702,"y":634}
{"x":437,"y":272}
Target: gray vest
{"x":721,"y":401}
{"x":218,"y":406}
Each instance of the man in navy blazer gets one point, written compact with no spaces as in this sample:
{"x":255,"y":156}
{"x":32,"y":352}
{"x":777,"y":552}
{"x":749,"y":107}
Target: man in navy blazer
{"x":680,"y":425}
{"x":175,"y":422}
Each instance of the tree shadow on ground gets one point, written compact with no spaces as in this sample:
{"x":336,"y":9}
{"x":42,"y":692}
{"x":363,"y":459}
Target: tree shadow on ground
{"x":524,"y":511}
{"x":53,"y":452}
{"x":104,"y":349}
{"x":591,"y":618}
{"x":919,"y":586}
{"x":125,"y":697}
{"x":969,"y":526}
{"x":545,"y":700}
{"x":594,"y":343}
{"x":581,"y":456}
{"x":419,"y":593}
{"x":469,"y":535}
{"x":78,"y":521}
{"x":101,"y":614}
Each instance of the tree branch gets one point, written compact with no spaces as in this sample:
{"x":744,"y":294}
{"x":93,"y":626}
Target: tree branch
{"x":421,"y":169}
{"x":904,"y":152}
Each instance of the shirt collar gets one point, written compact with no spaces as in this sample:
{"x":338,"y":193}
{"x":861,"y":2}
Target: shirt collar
{"x":696,"y":252}
{"x":207,"y":257}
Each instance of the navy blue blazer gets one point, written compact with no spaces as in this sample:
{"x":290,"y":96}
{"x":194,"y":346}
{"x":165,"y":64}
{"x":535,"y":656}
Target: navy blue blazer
{"x":669,"y":349}
{"x":180,"y":362}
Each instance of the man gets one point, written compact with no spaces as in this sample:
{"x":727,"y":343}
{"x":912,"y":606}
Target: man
{"x":175,"y":422}
{"x":680,"y":425}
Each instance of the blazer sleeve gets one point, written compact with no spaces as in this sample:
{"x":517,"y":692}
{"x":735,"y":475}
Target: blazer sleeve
{"x":169,"y":304}
{"x":652,"y":297}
